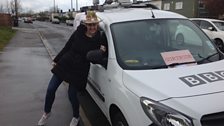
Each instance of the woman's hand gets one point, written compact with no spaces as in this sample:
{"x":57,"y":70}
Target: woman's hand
{"x":103,"y":48}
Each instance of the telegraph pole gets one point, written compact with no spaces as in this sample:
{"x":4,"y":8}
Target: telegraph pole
{"x":16,"y":9}
{"x":16,"y":14}
{"x":76,"y":5}
{"x":71,"y":5}
{"x":54,"y":6}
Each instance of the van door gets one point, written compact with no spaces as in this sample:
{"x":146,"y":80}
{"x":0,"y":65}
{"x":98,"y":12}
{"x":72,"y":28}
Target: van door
{"x":98,"y":81}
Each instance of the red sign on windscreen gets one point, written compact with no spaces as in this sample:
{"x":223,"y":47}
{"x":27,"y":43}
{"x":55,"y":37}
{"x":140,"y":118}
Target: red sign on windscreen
{"x":182,"y":56}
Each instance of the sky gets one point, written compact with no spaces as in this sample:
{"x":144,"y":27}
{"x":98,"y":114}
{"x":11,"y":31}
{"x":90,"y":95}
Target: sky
{"x":42,"y":5}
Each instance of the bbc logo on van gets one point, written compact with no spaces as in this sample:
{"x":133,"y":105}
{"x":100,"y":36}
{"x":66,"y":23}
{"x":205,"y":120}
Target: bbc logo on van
{"x":203,"y":78}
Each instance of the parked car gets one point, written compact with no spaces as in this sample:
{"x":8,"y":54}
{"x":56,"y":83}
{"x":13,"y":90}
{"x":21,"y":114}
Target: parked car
{"x":213,"y":28}
{"x":55,"y":21}
{"x":28,"y":20}
{"x":149,"y":77}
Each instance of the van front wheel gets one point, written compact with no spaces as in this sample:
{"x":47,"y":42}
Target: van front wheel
{"x":119,"y":120}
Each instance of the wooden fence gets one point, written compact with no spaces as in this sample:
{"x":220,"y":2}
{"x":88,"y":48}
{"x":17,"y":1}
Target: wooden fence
{"x":5,"y":20}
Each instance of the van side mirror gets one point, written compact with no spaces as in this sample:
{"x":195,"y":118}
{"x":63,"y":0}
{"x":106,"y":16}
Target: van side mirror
{"x":211,"y":28}
{"x":97,"y":57}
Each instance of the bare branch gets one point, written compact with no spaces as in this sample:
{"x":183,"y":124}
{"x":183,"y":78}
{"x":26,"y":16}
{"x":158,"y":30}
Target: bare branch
{"x":15,"y":6}
{"x":8,"y":7}
{"x":1,"y":9}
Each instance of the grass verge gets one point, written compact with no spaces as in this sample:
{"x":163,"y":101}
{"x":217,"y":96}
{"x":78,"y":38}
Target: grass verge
{"x":6,"y":33}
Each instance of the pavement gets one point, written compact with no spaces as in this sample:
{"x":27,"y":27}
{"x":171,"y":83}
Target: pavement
{"x":25,"y":72}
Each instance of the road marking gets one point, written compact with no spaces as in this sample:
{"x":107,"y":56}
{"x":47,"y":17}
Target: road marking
{"x":50,"y":50}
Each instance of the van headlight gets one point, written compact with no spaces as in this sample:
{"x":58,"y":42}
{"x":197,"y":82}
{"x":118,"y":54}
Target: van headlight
{"x":163,"y":115}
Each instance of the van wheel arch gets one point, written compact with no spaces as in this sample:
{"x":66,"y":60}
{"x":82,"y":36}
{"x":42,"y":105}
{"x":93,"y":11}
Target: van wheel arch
{"x":117,"y":117}
{"x":219,"y":43}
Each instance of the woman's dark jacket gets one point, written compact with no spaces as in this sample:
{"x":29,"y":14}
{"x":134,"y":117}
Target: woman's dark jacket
{"x":71,"y":63}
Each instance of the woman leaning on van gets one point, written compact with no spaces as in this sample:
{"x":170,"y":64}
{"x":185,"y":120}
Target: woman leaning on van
{"x":71,"y":65}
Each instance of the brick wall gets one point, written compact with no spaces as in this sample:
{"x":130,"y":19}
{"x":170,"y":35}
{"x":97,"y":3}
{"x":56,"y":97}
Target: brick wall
{"x":5,"y":20}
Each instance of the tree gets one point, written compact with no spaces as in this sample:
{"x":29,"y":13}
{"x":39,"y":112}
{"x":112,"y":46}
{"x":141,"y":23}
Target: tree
{"x":1,"y":8}
{"x":8,"y":7}
{"x":43,"y":16}
{"x":15,"y":7}
{"x":215,"y":7}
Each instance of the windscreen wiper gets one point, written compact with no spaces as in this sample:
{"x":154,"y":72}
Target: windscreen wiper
{"x":175,"y":64}
{"x":206,"y":58}
{"x":171,"y":65}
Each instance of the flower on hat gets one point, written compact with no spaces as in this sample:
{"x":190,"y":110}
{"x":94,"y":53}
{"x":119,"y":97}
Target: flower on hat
{"x":91,"y":17}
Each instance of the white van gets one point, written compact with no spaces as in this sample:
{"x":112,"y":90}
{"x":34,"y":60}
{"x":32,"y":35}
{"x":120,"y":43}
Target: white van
{"x":153,"y":79}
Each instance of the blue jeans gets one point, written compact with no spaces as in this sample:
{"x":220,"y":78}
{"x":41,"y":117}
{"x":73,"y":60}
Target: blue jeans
{"x":50,"y":96}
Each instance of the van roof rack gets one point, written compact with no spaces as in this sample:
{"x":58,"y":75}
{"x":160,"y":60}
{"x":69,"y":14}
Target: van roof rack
{"x":144,"y":5}
{"x":110,"y":4}
{"x":106,"y":7}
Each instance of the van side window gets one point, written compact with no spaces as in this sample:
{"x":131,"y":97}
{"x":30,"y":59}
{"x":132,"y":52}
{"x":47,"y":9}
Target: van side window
{"x":105,"y":43}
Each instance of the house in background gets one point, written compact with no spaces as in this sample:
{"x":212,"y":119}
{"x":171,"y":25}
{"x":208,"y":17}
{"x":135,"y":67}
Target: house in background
{"x":188,"y":8}
{"x":157,"y":3}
